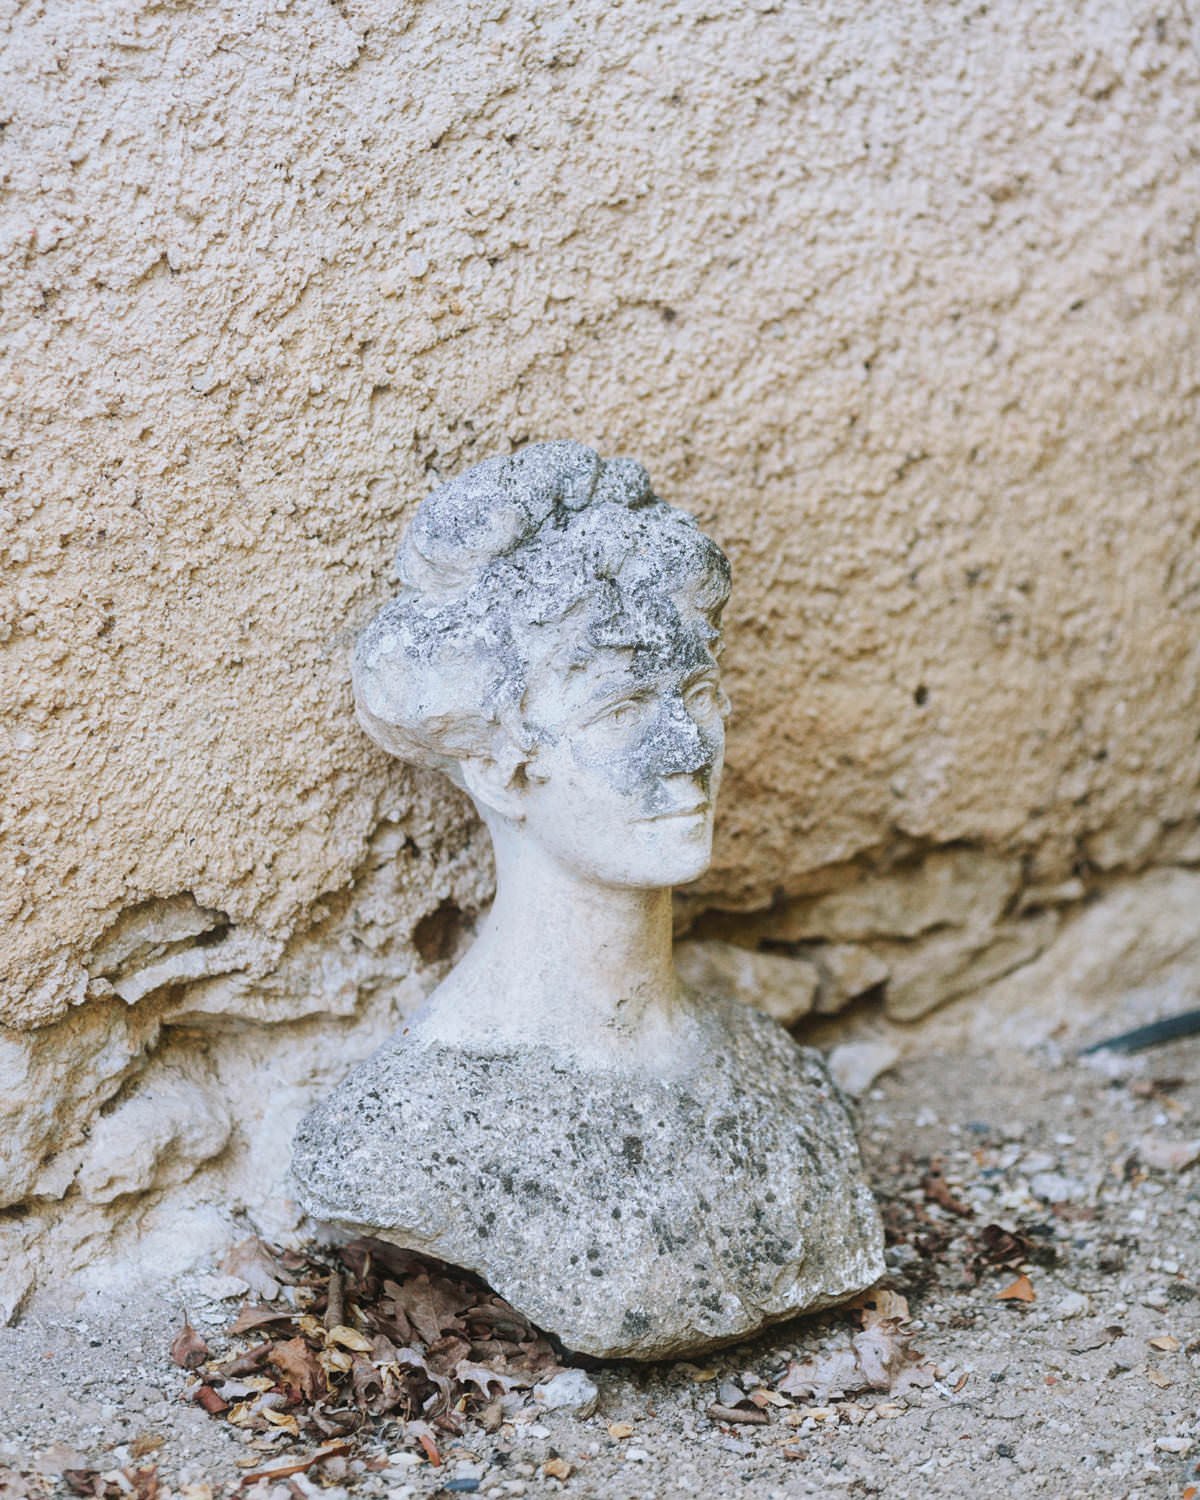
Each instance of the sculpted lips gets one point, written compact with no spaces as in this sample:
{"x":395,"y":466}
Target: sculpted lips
{"x":697,"y":810}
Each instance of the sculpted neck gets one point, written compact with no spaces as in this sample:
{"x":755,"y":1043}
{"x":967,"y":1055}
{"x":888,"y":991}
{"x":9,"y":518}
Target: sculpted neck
{"x":564,"y":961}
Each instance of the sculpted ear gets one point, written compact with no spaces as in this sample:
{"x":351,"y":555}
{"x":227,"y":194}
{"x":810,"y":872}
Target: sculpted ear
{"x":496,"y":783}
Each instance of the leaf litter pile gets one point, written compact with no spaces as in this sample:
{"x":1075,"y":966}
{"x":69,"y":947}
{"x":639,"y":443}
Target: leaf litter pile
{"x":340,"y":1346}
{"x":336,"y":1348}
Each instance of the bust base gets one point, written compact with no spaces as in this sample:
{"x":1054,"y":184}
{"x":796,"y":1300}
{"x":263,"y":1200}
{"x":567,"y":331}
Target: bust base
{"x":632,"y":1216}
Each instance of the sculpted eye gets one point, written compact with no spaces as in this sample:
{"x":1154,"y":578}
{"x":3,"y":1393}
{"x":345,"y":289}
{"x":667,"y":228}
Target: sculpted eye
{"x":620,"y":713}
{"x":705,"y":697}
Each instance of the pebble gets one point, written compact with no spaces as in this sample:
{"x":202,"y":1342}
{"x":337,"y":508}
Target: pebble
{"x":570,"y":1390}
{"x":1073,"y":1305}
{"x":856,"y":1065}
{"x":1055,"y":1187}
{"x":220,"y":1288}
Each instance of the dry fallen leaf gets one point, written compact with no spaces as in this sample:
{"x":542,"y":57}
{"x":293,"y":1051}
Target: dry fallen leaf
{"x":1165,"y":1341}
{"x":938,"y":1191}
{"x":620,"y":1429}
{"x":257,"y":1267}
{"x":749,"y":1415}
{"x":997,"y":1246}
{"x":14,"y":1486}
{"x":488,"y":1381}
{"x":424,"y":1435}
{"x":1020,"y":1290}
{"x":257,"y":1317}
{"x":300,"y":1367}
{"x":283,"y":1420}
{"x":144,"y":1481}
{"x":188,"y":1348}
{"x":349,"y":1338}
{"x":881,"y":1304}
{"x":1156,"y":1377}
{"x":296,"y":1466}
{"x":763,"y":1398}
{"x":556,"y":1468}
{"x":422,"y":1307}
{"x":878,"y":1359}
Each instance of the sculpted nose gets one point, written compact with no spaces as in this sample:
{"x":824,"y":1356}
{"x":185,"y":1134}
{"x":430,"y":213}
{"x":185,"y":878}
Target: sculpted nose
{"x":681,"y":744}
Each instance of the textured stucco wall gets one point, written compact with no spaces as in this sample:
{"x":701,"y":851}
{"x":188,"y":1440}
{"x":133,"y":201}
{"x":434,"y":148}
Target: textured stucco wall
{"x":902,"y":301}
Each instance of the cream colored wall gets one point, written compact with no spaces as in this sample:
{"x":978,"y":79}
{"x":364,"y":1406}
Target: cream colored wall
{"x":902,"y":301}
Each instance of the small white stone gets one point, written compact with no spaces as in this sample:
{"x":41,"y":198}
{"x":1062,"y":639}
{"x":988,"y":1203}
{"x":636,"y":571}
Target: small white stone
{"x":1055,"y":1187}
{"x":219,"y":1288}
{"x":570,"y":1390}
{"x":1073,"y":1305}
{"x":1173,"y":1444}
{"x":856,"y":1065}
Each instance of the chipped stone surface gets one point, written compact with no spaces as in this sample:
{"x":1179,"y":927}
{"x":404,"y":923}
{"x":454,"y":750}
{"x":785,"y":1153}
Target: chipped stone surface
{"x":823,"y":978}
{"x":1141,"y":937}
{"x":565,"y":1192}
{"x":781,"y":987}
{"x":953,"y":962}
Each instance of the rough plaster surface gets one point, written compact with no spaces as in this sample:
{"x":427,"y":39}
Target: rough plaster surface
{"x":903,"y":305}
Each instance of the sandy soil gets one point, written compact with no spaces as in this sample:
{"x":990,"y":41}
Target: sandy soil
{"x":1092,"y":1389}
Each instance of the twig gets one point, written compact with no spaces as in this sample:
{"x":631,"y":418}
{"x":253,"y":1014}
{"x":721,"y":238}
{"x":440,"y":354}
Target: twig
{"x":334,"y":1308}
{"x":281,"y":1471}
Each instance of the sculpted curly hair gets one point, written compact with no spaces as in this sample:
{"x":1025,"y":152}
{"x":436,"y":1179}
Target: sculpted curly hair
{"x":527,"y":562}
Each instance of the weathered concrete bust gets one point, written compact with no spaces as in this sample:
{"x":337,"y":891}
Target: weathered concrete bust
{"x":644,"y":1171}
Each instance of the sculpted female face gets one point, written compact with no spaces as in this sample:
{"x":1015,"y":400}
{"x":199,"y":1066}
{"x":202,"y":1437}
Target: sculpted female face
{"x":623,"y":785}
{"x":553,"y":650}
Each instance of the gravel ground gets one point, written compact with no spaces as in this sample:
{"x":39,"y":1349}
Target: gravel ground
{"x":1092,"y":1389}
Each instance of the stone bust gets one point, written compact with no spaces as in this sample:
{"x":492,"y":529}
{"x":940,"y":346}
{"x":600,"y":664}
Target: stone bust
{"x":642,"y":1170}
